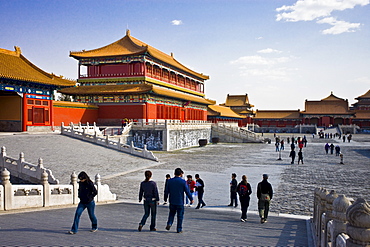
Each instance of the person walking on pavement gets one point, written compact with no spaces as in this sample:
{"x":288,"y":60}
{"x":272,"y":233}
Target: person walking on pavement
{"x":149,"y":190}
{"x":199,"y":187}
{"x":300,"y":156}
{"x":331,"y":148}
{"x":175,"y":189}
{"x":264,"y":196}
{"x":233,"y":190}
{"x":244,"y":190}
{"x":327,"y":148}
{"x":292,"y":155}
{"x":86,"y":193}
{"x":282,"y":144}
{"x":168,"y":177}
{"x":337,"y":150}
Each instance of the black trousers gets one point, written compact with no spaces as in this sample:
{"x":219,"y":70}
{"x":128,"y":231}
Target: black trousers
{"x":244,"y":204}
{"x":200,"y":198}
{"x":233,"y":198}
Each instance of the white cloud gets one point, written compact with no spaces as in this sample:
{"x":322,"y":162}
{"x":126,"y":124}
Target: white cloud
{"x":259,"y":60}
{"x":176,"y":22}
{"x":269,"y":50}
{"x":320,"y":10}
{"x":338,"y":26}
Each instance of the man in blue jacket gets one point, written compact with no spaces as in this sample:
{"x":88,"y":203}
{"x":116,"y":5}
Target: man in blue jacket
{"x":175,"y":189}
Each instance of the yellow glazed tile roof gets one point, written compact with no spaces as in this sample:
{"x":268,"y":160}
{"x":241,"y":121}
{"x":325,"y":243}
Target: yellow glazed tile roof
{"x":332,"y":97}
{"x":129,"y":45}
{"x":182,"y":96}
{"x":362,"y":115}
{"x":238,"y":100}
{"x":271,"y":114}
{"x":107,"y":89}
{"x":366,"y":95}
{"x":133,"y":89}
{"x":224,"y":111}
{"x":13,"y":65}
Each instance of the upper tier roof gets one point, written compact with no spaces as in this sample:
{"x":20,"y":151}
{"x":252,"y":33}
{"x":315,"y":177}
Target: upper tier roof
{"x":332,"y":97}
{"x":13,"y":65}
{"x":364,"y":96}
{"x":129,"y":45}
{"x":238,"y":100}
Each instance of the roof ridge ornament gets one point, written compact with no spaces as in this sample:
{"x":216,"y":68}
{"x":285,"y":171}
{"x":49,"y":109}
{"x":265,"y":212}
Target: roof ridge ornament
{"x":18,"y":50}
{"x":128,"y":33}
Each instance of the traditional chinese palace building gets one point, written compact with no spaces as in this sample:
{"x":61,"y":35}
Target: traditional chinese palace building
{"x":26,"y":92}
{"x":362,"y":109}
{"x":131,"y":79}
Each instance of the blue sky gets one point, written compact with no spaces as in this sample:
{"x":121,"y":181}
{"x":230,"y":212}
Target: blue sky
{"x":279,"y":52}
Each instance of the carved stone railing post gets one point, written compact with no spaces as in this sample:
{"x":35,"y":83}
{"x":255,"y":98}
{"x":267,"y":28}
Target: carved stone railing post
{"x":2,"y":157}
{"x":8,"y":192}
{"x":19,"y":163}
{"x":328,"y":216}
{"x":316,"y":209}
{"x":340,"y":205}
{"x":46,"y":188}
{"x":358,"y":226}
{"x":98,"y":185}
{"x":321,"y":210}
{"x":75,"y":187}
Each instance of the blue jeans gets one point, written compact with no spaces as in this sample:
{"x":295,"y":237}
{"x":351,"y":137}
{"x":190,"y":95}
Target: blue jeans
{"x":187,"y":199}
{"x":150,"y":207}
{"x":179,"y":209}
{"x":90,"y":209}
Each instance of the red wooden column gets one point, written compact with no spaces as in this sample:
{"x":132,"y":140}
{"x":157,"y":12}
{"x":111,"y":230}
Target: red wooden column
{"x":24,"y":112}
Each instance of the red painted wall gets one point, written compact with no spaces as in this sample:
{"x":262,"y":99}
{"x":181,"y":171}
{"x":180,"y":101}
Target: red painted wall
{"x":73,"y":112}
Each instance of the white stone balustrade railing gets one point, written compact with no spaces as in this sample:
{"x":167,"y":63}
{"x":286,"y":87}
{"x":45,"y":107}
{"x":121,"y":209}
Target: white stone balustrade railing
{"x":340,"y":221}
{"x":173,"y":124}
{"x":45,"y":195}
{"x":242,"y":133}
{"x":25,"y":170}
{"x":104,"y":141}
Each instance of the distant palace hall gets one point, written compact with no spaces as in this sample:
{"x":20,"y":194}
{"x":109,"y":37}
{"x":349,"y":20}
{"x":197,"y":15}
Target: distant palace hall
{"x":131,"y":79}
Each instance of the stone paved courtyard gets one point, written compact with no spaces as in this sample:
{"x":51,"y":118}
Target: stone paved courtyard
{"x":293,"y":184}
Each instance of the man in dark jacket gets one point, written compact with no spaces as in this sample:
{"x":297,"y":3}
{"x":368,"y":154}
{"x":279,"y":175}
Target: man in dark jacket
{"x":175,"y":189}
{"x":264,"y":195}
{"x":199,"y":187}
{"x":233,"y":187}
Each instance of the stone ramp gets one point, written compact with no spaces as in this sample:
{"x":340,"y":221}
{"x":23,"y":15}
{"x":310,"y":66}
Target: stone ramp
{"x":118,"y":224}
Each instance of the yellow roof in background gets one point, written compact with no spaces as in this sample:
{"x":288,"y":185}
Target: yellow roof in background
{"x":129,"y":45}
{"x":332,"y":97}
{"x":238,"y":100}
{"x":362,"y":114}
{"x":269,"y":114}
{"x":224,"y":111}
{"x":13,"y":65}
{"x":366,"y":95}
{"x":133,"y":89}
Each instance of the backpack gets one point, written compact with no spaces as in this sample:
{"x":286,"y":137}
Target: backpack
{"x":243,"y":190}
